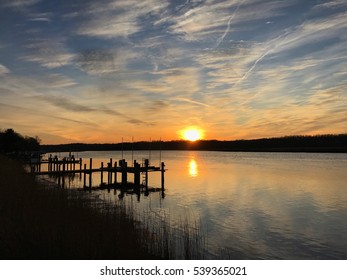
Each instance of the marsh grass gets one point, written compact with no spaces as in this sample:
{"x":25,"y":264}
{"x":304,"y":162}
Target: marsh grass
{"x":170,"y":240}
{"x":42,"y":221}
{"x":48,"y":223}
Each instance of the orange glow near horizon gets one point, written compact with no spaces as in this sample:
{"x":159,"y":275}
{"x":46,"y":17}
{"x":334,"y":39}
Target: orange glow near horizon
{"x":192,"y":134}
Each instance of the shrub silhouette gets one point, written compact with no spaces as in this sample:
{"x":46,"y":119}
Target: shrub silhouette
{"x":13,"y":142}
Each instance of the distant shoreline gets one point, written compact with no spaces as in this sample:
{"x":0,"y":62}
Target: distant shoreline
{"x":335,"y":143}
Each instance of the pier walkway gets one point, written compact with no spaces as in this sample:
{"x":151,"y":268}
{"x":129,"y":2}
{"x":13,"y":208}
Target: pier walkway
{"x":60,"y":168}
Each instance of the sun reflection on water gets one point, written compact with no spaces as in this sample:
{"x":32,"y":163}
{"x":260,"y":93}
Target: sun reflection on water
{"x":193,"y":168}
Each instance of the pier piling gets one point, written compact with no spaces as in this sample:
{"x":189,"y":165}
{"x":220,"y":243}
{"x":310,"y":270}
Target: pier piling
{"x":115,"y":172}
{"x":84,"y":176}
{"x":137,"y":175}
{"x":124,"y":173}
{"x":146,"y":176}
{"x":102,"y":174}
{"x":162,"y":175}
{"x":60,"y":168}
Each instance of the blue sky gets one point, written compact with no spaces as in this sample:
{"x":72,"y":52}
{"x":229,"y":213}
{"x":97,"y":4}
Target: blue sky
{"x":97,"y":71}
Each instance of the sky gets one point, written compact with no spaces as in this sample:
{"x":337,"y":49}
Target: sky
{"x":102,"y":71}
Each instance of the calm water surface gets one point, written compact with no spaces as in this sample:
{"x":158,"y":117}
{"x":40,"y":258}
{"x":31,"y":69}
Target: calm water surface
{"x":250,"y":205}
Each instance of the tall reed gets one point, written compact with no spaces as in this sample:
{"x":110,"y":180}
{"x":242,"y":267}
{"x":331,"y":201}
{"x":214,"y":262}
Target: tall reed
{"x":45,"y":222}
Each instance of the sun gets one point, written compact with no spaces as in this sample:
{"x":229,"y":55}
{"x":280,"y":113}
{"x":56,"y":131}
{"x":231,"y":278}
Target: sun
{"x":192,"y":134}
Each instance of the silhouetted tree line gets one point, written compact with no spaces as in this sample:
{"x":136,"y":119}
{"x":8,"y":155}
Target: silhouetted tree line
{"x":14,"y":143}
{"x":318,"y":143}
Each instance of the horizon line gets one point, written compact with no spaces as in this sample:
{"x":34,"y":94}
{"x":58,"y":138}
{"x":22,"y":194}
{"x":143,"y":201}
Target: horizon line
{"x":201,"y":140}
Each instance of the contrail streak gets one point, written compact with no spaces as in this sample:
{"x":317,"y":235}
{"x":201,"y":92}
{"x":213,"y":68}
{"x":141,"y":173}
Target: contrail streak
{"x":192,"y":101}
{"x":252,"y":67}
{"x":220,"y":40}
{"x":272,"y":45}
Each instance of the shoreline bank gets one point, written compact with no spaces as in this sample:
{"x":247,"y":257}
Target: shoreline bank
{"x":39,"y":222}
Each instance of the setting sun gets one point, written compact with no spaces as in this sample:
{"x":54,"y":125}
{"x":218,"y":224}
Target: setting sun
{"x":191,"y":134}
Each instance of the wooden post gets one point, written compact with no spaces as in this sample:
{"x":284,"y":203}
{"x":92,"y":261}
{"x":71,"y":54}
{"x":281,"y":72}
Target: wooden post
{"x":64,"y":162}
{"x":108,"y":173}
{"x":56,"y":163}
{"x":115,"y":173}
{"x":84,"y":175}
{"x":90,"y":172}
{"x":137,"y":180}
{"x":136,"y":174}
{"x":124,"y":173}
{"x":102,"y":174}
{"x":73,"y":163}
{"x":162,"y":175}
{"x":50,"y":163}
{"x":62,"y":175}
{"x":111,"y":173}
{"x":146,"y":176}
{"x":80,"y":162}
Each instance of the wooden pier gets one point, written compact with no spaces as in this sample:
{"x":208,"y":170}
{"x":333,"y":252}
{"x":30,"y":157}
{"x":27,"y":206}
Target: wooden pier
{"x":60,"y":168}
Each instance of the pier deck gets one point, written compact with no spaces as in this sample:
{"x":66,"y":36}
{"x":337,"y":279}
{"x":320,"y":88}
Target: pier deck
{"x":101,"y":169}
{"x":67,"y":166}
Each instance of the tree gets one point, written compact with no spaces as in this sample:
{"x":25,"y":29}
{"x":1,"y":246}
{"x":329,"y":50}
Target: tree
{"x":13,"y":142}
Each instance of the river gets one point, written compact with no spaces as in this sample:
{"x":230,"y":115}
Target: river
{"x":247,"y":205}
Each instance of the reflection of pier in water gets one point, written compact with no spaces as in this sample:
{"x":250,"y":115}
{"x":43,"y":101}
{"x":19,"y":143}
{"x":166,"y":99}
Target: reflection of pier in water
{"x":66,"y":169}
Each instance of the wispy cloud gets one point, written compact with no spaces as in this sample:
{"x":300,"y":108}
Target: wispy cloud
{"x":200,"y":21}
{"x":55,"y":128}
{"x":315,"y":31}
{"x":29,"y":86}
{"x":41,"y":17}
{"x":156,"y":106}
{"x":49,"y":52}
{"x":57,"y":81}
{"x":192,"y":102}
{"x":331,"y":4}
{"x":211,"y":21}
{"x":4,"y":70}
{"x":64,"y":103}
{"x":112,"y":19}
{"x":169,"y":83}
{"x":69,"y":105}
{"x":238,"y":68}
{"x":19,"y":3}
{"x":100,"y":62}
{"x":220,"y":40}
